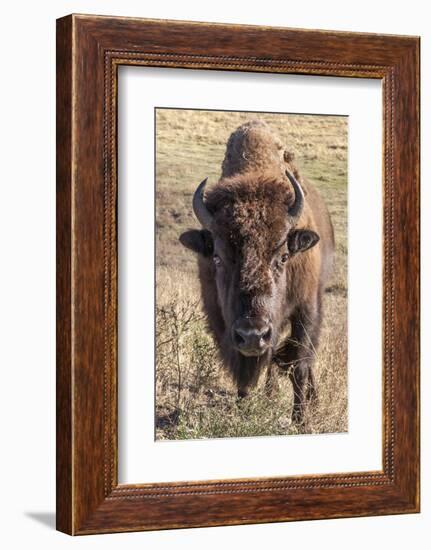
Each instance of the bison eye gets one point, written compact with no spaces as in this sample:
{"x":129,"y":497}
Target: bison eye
{"x":217,"y":260}
{"x":284,"y":258}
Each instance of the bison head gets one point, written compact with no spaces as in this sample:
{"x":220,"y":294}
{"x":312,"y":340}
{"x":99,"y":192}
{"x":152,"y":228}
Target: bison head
{"x":249,"y":243}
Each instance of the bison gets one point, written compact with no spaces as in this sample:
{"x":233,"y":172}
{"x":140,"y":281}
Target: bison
{"x":264,"y":256}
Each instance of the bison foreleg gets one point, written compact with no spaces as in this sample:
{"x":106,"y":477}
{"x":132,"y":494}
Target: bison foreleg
{"x":297,"y":356}
{"x":271,"y":382}
{"x":248,"y":374}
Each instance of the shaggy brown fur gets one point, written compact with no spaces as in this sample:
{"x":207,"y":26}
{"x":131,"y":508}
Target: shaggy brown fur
{"x":254,"y":148}
{"x":264,"y":271}
{"x":246,"y":211}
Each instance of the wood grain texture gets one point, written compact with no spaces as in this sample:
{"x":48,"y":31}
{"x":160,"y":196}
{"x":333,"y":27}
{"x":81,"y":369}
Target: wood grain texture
{"x":64,"y":497}
{"x":90,"y":49}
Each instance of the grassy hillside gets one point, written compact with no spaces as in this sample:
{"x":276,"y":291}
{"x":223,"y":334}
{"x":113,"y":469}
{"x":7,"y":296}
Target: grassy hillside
{"x":194,"y":397}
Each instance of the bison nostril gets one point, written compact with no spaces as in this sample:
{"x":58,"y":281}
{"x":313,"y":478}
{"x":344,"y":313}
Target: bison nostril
{"x":266,"y":336}
{"x":239,"y":340}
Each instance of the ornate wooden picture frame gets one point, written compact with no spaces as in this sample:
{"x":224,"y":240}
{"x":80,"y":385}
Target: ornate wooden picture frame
{"x":89,"y":51}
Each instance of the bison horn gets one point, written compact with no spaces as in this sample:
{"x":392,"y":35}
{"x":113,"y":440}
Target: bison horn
{"x":298,"y":204}
{"x":199,"y":208}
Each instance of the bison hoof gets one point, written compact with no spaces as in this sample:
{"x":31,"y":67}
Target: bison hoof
{"x":297,"y":417}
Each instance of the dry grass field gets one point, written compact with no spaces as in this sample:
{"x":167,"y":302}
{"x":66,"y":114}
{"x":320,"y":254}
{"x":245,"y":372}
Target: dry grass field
{"x":194,"y":396}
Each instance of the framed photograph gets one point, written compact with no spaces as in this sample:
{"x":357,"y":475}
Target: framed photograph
{"x":237,"y":274}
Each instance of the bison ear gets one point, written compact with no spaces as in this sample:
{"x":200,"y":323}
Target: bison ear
{"x":301,"y":240}
{"x":198,"y":240}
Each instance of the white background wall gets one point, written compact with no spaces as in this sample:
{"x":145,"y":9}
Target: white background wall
{"x":27,"y":252}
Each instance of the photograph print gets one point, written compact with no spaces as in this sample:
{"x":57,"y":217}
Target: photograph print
{"x":251,"y":274}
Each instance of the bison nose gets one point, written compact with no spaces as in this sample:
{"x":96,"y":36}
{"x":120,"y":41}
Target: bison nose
{"x":251,"y":337}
